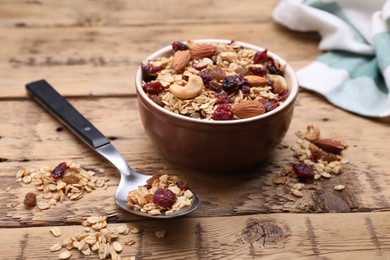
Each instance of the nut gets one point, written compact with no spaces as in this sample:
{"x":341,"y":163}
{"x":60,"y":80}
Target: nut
{"x":331,"y":145}
{"x":248,"y":108}
{"x":180,"y":60}
{"x":202,"y":51}
{"x":312,"y":133}
{"x":192,"y":89}
{"x":256,"y":81}
{"x":279,"y":83}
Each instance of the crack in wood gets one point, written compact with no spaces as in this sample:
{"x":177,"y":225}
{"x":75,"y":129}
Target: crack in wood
{"x":312,"y":236}
{"x":373,"y":234}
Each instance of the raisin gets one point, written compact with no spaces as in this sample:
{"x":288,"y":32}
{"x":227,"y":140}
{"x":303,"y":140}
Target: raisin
{"x":59,"y":170}
{"x":183,"y":184}
{"x":199,"y":66}
{"x":164,"y":198}
{"x":233,"y":83}
{"x":206,"y":76}
{"x":214,"y":86}
{"x":179,"y":46}
{"x":303,"y":171}
{"x":157,"y":99}
{"x":153,"y":87}
{"x":70,"y":179}
{"x":30,"y":200}
{"x":246,"y":89}
{"x":218,"y":73}
{"x":223,"y":112}
{"x":258,"y":71}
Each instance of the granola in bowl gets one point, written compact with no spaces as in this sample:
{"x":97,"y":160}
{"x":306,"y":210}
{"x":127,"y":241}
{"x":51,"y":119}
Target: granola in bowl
{"x":215,"y":81}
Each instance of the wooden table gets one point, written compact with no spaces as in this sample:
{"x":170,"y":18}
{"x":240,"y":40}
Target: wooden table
{"x":89,"y":50}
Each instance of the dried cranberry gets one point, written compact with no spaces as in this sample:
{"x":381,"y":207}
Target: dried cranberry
{"x":303,"y":171}
{"x":164,"y":198}
{"x":150,"y":70}
{"x":148,"y":186}
{"x":282,"y":96}
{"x":59,"y":170}
{"x":259,"y":71}
{"x":30,"y":200}
{"x":270,"y":105}
{"x":233,"y":83}
{"x":179,"y":46}
{"x":246,"y":89}
{"x":221,"y":97}
{"x":223,"y":112}
{"x":183,"y":184}
{"x":153,"y":87}
{"x":260,"y":57}
{"x":206,"y":76}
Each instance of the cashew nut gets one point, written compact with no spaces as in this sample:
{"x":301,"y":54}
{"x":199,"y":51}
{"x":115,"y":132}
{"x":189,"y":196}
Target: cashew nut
{"x":279,"y":82}
{"x":192,"y":89}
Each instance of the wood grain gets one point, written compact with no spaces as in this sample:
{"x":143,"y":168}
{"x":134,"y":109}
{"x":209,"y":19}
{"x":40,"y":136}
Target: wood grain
{"x":276,"y":236}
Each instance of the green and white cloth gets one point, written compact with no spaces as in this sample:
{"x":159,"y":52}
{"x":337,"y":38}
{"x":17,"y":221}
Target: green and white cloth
{"x":354,"y":73}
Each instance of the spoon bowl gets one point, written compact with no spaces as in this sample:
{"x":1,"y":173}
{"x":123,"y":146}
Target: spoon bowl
{"x":51,"y":100}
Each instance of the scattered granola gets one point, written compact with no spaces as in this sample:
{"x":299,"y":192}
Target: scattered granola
{"x":161,"y":233}
{"x":65,"y":181}
{"x":211,"y":81}
{"x":317,"y":158}
{"x":163,"y":194}
{"x":98,"y":239}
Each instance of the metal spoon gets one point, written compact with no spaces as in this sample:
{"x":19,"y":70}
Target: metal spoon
{"x":52,"y":101}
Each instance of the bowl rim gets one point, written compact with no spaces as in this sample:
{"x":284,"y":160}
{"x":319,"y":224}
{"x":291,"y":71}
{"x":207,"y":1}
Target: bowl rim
{"x":293,"y":86}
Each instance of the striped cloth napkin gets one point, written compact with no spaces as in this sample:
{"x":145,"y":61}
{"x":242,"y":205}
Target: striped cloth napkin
{"x":354,"y":73}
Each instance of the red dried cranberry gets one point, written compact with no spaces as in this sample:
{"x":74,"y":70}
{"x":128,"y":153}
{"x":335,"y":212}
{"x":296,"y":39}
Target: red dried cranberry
{"x":148,"y":186}
{"x":223,"y":112}
{"x":59,"y":170}
{"x":260,"y":57}
{"x":282,"y":96}
{"x":179,"y":46}
{"x":30,"y":200}
{"x":303,"y":171}
{"x":233,"y":83}
{"x":259,"y":71}
{"x":153,"y":87}
{"x":164,"y":198}
{"x":206,"y":76}
{"x":270,"y":105}
{"x":221,"y":97}
{"x":150,"y":70}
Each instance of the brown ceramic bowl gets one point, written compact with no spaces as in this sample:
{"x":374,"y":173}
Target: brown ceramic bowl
{"x":216,"y":146}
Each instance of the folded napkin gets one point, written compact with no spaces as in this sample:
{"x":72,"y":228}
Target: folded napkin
{"x":354,"y":73}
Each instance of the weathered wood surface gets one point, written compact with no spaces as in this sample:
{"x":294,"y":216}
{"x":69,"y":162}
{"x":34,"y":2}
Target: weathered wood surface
{"x":89,"y":50}
{"x":275,"y":236}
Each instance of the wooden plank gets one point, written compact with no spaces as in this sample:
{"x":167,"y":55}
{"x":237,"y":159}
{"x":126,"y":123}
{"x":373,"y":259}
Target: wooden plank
{"x":274,"y":236}
{"x":35,"y":139}
{"x":103,"y":61}
{"x":119,"y":13}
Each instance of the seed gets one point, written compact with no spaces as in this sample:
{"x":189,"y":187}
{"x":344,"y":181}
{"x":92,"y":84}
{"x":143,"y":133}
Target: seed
{"x":65,"y":255}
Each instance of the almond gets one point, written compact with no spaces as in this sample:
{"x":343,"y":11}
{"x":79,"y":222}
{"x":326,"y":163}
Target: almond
{"x":180,"y":60}
{"x":256,"y":81}
{"x":248,"y":108}
{"x":331,"y":145}
{"x":202,"y":51}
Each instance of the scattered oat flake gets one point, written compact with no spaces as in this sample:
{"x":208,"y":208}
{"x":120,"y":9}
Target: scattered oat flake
{"x":161,"y":233}
{"x":55,"y":247}
{"x":56,"y":231}
{"x":280,"y":180}
{"x":339,"y":187}
{"x":134,"y":230}
{"x":43,"y":205}
{"x":297,"y":193}
{"x":130,"y":241}
{"x":8,"y":188}
{"x":65,"y":255}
